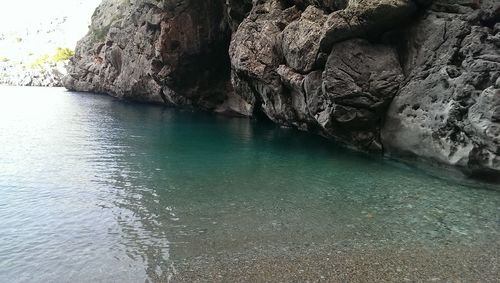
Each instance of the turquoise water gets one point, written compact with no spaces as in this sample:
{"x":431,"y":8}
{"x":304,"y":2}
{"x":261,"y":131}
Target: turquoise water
{"x":97,"y":190}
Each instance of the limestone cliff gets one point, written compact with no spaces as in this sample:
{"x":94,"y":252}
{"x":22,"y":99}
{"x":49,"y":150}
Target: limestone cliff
{"x":414,"y":78}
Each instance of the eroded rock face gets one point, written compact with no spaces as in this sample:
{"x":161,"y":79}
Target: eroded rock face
{"x":366,"y":18}
{"x":359,"y":81}
{"x":405,"y":77}
{"x":169,"y":52}
{"x":301,"y":38}
{"x":446,"y":108}
{"x":279,"y":68}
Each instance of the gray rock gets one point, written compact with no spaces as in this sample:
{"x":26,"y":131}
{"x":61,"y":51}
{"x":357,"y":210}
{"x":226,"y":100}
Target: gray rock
{"x":359,"y":81}
{"x":45,"y":75}
{"x":327,"y":5}
{"x":255,"y":53}
{"x":365,"y":18}
{"x":155,"y":51}
{"x":407,"y":77}
{"x":301,"y":40}
{"x":446,"y":109}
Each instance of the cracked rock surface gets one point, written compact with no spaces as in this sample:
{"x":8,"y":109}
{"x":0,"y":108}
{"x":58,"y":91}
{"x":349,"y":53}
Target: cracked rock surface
{"x":411,"y":78}
{"x":445,"y":109}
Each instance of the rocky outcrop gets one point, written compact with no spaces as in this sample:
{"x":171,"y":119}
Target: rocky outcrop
{"x":172,"y":52}
{"x":413,"y":78}
{"x":447,"y":106}
{"x":45,"y":75}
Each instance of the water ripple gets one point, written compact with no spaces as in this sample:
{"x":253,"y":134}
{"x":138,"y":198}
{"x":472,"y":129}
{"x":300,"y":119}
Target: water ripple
{"x":93,"y":189}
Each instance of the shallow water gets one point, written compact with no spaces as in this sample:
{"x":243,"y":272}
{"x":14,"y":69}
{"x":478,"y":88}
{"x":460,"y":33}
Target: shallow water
{"x":97,"y":190}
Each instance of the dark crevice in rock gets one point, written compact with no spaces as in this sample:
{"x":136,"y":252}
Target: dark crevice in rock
{"x":491,"y":21}
{"x":163,"y":97}
{"x":477,"y":170}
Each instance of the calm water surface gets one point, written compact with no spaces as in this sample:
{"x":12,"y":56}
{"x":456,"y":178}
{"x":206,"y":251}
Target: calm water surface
{"x":97,"y":190}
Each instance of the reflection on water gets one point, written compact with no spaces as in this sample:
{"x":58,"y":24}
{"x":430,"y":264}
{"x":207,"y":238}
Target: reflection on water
{"x":94,"y":189}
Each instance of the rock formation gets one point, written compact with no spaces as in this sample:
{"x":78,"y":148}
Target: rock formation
{"x":411,"y":78}
{"x":449,"y":105}
{"x":45,"y":75}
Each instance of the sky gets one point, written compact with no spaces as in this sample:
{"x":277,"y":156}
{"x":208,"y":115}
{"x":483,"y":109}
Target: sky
{"x":41,"y":25}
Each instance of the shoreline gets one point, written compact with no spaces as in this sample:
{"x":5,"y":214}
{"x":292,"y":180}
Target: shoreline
{"x":419,"y":263}
{"x":45,"y":75}
{"x":427,"y":166}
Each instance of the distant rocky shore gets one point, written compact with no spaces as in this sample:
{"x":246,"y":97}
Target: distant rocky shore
{"x":46,"y":75}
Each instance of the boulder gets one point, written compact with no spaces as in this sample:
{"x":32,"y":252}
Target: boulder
{"x":359,"y":82}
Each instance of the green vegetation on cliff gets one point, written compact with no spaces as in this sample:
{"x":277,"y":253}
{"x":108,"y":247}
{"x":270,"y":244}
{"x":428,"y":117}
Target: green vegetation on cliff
{"x":61,"y":54}
{"x":40,"y":61}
